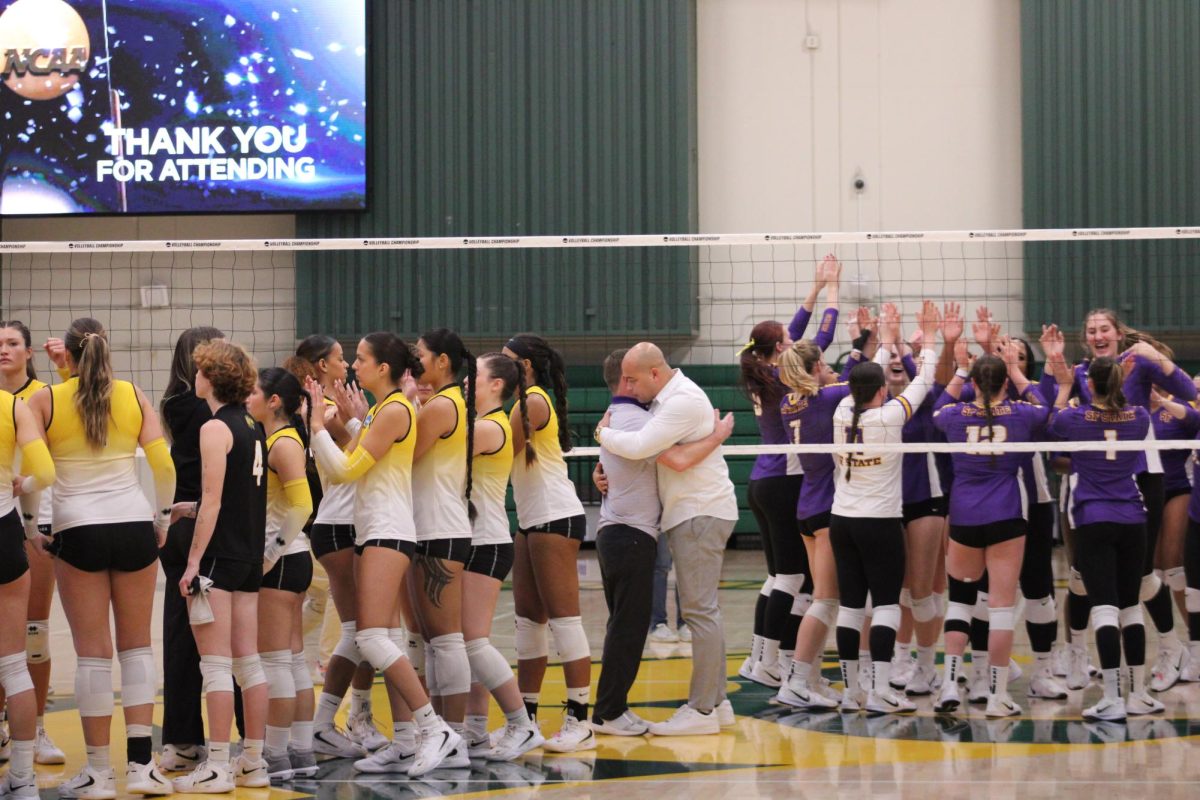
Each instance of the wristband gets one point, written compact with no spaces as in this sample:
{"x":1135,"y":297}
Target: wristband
{"x":354,"y":426}
{"x":861,"y":340}
{"x":962,"y":373}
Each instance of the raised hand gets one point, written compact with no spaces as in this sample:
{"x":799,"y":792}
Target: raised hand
{"x":962,"y":355}
{"x":984,"y":329}
{"x":1052,"y":341}
{"x":952,"y":322}
{"x":316,"y":398}
{"x":889,"y":324}
{"x":929,"y":319}
{"x":56,"y":349}
{"x":830,"y":271}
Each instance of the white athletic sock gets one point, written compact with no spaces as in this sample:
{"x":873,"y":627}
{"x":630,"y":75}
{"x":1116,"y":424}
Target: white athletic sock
{"x":252,"y":749}
{"x":1137,"y":679}
{"x":786,"y":657}
{"x":850,"y":674}
{"x":903,"y":649}
{"x":756,"y":648}
{"x":360,"y":701}
{"x":517,"y":717}
{"x":998,"y":681}
{"x":218,"y":752}
{"x":1042,"y":659}
{"x":951,"y":668}
{"x":881,"y":673}
{"x":1168,"y":641}
{"x":405,"y":734}
{"x":476,"y":724}
{"x":925,"y":655}
{"x":800,"y":673}
{"x":426,"y":718}
{"x":98,"y":757}
{"x":22,"y":758}
{"x":1112,"y":683}
{"x":277,"y":739}
{"x":302,"y":735}
{"x":580,"y":695}
{"x":770,"y":652}
{"x":327,"y":708}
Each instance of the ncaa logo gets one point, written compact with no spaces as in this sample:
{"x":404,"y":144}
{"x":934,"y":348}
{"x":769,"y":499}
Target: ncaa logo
{"x":44,"y":47}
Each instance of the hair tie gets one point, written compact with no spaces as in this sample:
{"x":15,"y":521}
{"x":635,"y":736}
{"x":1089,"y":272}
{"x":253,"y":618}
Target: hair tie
{"x":90,"y":335}
{"x":748,"y":346}
{"x":519,"y":349}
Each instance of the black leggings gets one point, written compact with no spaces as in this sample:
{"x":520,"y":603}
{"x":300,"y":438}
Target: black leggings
{"x":1108,"y":555}
{"x":1191,"y":566}
{"x":1150,"y":484}
{"x":1037,"y":570}
{"x":869,"y":554}
{"x":773,"y":501}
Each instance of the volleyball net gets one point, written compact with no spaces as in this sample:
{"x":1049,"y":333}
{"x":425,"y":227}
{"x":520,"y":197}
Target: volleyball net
{"x":696,"y":295}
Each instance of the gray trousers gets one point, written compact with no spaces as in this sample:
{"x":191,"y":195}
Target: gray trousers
{"x":698,"y":547}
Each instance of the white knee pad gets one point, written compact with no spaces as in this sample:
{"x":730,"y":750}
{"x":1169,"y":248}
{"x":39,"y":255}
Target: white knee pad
{"x":1150,"y":585}
{"x":37,"y":641}
{"x":14,"y":675}
{"x":488,"y":667}
{"x":345,"y":647}
{"x":277,"y":666}
{"x":1174,"y":577}
{"x":301,"y":677}
{"x":414,"y":647}
{"x":1075,"y":583}
{"x":980,"y":611}
{"x":958,"y":612}
{"x":767,"y":586}
{"x":1040,"y":611}
{"x":377,"y":648}
{"x":1191,"y":600}
{"x":801,"y":604}
{"x":886,"y":616}
{"x":432,"y":682}
{"x":1002,"y":619}
{"x":93,"y":687}
{"x":1131,"y":616}
{"x":825,"y":610}
{"x":139,"y":677}
{"x":925,"y":609}
{"x":453,"y":667}
{"x":532,"y":639}
{"x":217,"y":673}
{"x":852,"y":618}
{"x":788,"y":584}
{"x":1105,"y":616}
{"x":398,"y":636}
{"x":248,"y":672}
{"x":906,"y":600}
{"x":943,"y":604}
{"x":571,"y":641}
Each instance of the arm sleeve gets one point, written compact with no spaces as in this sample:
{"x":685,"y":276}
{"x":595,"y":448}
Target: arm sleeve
{"x":1191,"y":420}
{"x":64,"y":373}
{"x":340,"y":467}
{"x":1177,"y":384}
{"x":944,"y":399}
{"x":883,"y":355}
{"x":37,"y":465}
{"x":676,"y":420}
{"x":910,"y":366}
{"x":1048,"y":386}
{"x":163,"y":470}
{"x":825,"y":332}
{"x":916,"y":391}
{"x":300,"y":507}
{"x":852,"y":361}
{"x":799,"y":324}
{"x":30,"y":505}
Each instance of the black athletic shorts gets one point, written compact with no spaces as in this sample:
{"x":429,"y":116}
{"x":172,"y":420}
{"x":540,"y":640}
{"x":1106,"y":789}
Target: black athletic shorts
{"x":292,"y":573}
{"x":570,"y":527}
{"x":326,"y":539}
{"x":404,"y":546}
{"x":981,"y":536}
{"x":932,"y":507}
{"x":232,"y":576}
{"x":119,"y":546}
{"x":1171,"y":494}
{"x":457,"y":549}
{"x":817,"y":522}
{"x":13,"y":561}
{"x":491,"y":560}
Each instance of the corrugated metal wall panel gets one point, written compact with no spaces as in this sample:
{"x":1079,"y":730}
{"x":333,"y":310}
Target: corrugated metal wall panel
{"x":507,"y":117}
{"x":1111,"y":126}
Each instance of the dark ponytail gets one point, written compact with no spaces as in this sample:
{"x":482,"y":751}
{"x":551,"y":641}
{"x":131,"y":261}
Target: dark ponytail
{"x":988,"y":373}
{"x":276,"y":381}
{"x":443,"y":341}
{"x":549,"y":369}
{"x":1108,"y":379}
{"x":388,"y":348}
{"x":865,"y":382}
{"x":756,"y":377}
{"x":87,"y":342}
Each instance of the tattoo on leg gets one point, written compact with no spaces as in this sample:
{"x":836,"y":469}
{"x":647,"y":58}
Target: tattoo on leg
{"x":437,"y":578}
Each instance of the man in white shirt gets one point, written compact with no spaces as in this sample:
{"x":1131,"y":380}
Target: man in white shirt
{"x":699,"y":511}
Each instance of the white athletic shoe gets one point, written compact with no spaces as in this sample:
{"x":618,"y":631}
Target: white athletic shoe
{"x":1078,"y":672}
{"x":663,"y":633}
{"x":766,"y":674}
{"x":852,"y":701}
{"x":921,"y":682}
{"x":1002,"y":705}
{"x":1014,"y":670}
{"x":746,"y":670}
{"x":209,"y":777}
{"x":1141,"y":703}
{"x":980,"y":687}
{"x":45,"y":751}
{"x":389,"y":758}
{"x":822,"y":686}
{"x":685,"y":634}
{"x":1059,"y":663}
{"x":628,"y":724}
{"x":800,"y":695}
{"x":1043,"y":684}
{"x":361,"y":729}
{"x":90,"y":784}
{"x":331,"y":741}
{"x":903,"y":667}
{"x":889,"y":701}
{"x":572,"y":737}
{"x":520,"y":739}
{"x":725,"y":716}
{"x":479,"y":748}
{"x":23,"y":787}
{"x":1167,"y":669}
{"x":687,"y":721}
{"x":1109,"y":709}
{"x":458,"y":758}
{"x":250,"y":774}
{"x":181,"y":759}
{"x":146,"y":779}
{"x":304,"y":762}
{"x":1191,"y":670}
{"x":948,"y":699}
{"x":434,"y":747}
{"x":279,"y":766}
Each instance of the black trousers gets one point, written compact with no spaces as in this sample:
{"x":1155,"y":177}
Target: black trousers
{"x":183,"y":686}
{"x":627,"y":571}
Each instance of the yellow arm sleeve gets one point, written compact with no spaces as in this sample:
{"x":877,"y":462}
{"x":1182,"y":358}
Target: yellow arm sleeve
{"x":340,"y":467}
{"x":300,"y":506}
{"x":37,"y":465}
{"x":163,"y":470}
{"x":64,"y":373}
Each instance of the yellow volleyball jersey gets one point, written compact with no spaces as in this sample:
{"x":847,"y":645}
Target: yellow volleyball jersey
{"x":383,"y":507}
{"x":96,"y":486}
{"x":542,"y":490}
{"x":277,"y":504}
{"x":8,"y":451}
{"x":489,"y":482}
{"x":44,"y":507}
{"x":440,"y":478}
{"x":337,"y":499}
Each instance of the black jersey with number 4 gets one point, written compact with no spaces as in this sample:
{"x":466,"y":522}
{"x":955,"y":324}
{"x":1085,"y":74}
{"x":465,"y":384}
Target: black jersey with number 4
{"x":241,"y":528}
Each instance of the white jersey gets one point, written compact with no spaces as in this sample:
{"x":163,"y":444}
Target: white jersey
{"x":383,"y":504}
{"x":542,"y":490}
{"x":874,"y":488}
{"x":337,"y":499}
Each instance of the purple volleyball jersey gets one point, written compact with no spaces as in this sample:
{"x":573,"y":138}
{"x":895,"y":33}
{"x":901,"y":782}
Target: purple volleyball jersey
{"x":1103,"y":487}
{"x":1175,"y":474}
{"x":810,"y":421}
